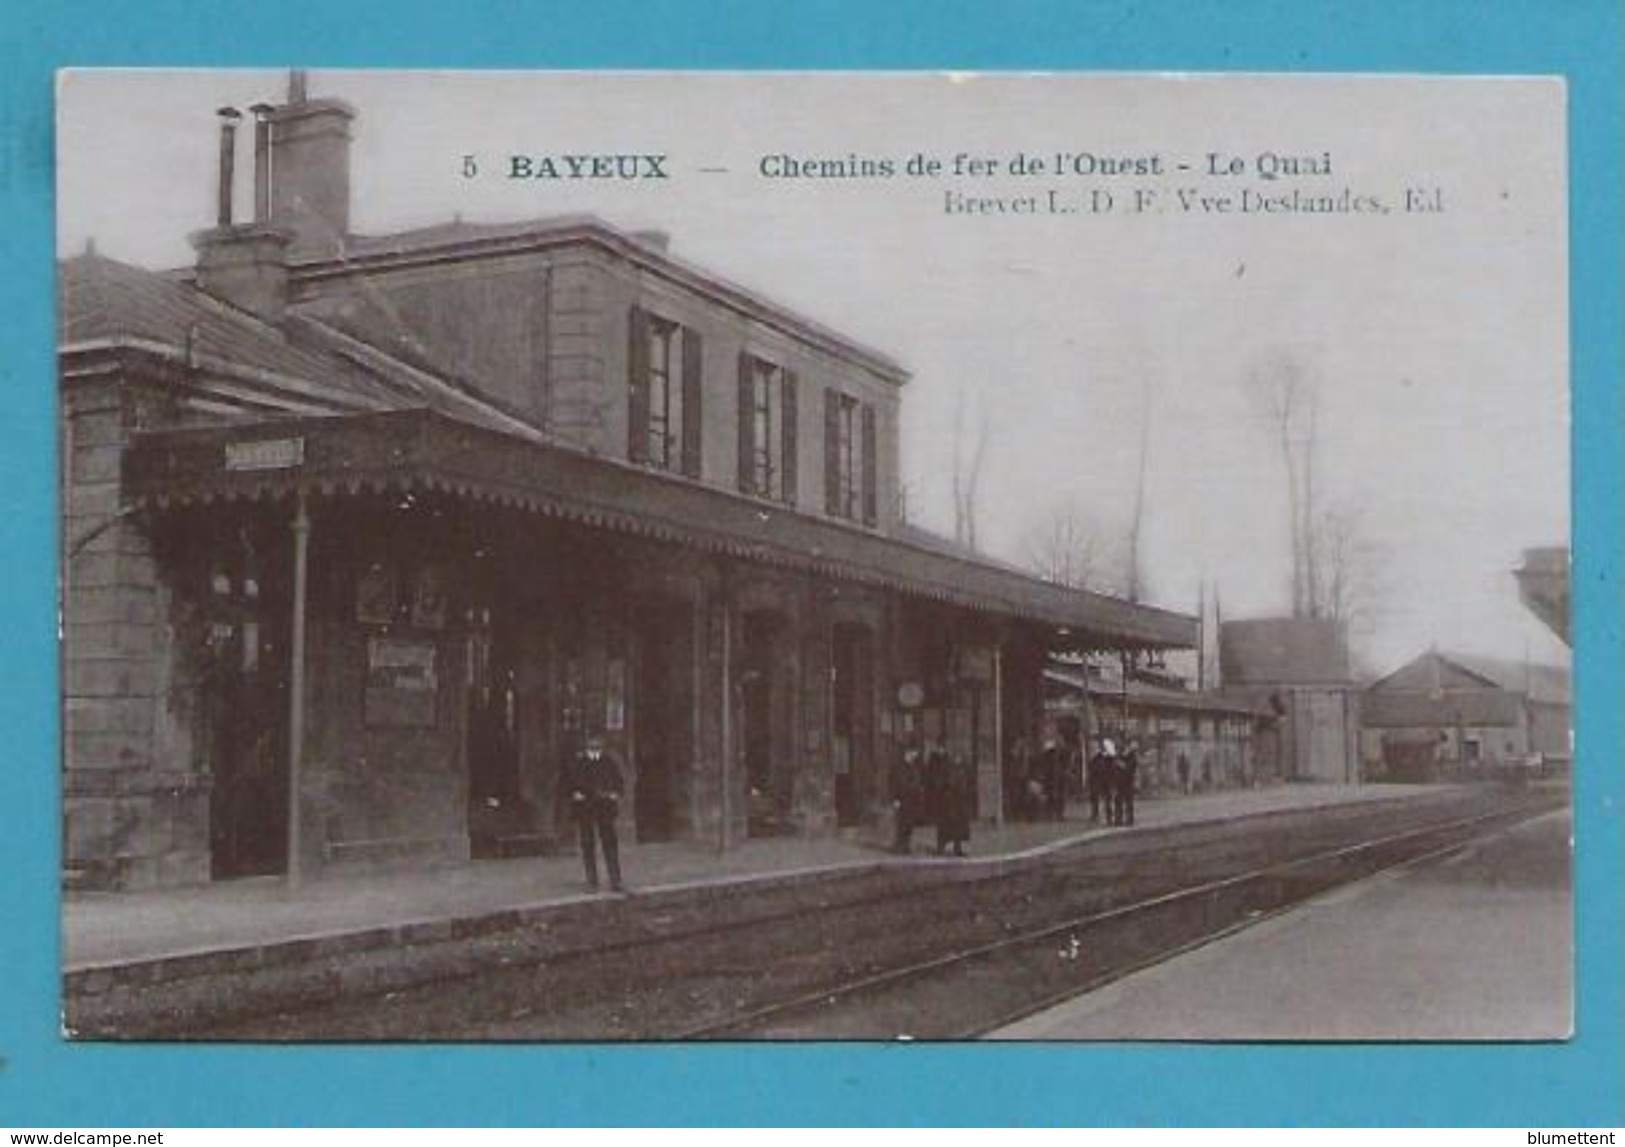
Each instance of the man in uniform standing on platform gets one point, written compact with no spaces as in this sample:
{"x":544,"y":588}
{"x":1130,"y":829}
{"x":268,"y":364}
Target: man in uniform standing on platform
{"x":1098,"y":780}
{"x":1054,"y":769}
{"x":1126,"y":778}
{"x":596,"y":783}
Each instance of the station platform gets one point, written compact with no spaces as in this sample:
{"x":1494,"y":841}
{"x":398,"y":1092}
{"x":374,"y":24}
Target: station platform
{"x":1476,"y":945}
{"x":106,"y":932}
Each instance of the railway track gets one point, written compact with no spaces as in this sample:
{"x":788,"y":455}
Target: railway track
{"x":1017,"y":976}
{"x":940,"y":950}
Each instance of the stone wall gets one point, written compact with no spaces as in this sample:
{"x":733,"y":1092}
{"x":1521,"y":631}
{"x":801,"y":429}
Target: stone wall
{"x":135,"y":807}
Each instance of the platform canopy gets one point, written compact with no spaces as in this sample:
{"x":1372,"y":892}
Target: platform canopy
{"x":427,"y":451}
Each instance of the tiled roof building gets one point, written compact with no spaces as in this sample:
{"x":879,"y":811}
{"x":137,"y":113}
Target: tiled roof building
{"x":1457,"y":710}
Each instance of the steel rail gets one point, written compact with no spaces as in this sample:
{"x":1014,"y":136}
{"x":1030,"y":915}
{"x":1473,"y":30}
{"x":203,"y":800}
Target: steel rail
{"x":627,"y":945}
{"x":894,"y":977}
{"x":1250,"y":921}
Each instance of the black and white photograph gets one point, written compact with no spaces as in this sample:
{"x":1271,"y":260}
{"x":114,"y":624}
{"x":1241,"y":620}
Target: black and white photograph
{"x":710,"y":556}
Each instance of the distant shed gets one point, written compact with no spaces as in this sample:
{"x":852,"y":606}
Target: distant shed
{"x":1451,"y":711}
{"x":1299,"y":668}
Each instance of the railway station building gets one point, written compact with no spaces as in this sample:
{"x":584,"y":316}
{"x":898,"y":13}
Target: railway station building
{"x":364,"y":534}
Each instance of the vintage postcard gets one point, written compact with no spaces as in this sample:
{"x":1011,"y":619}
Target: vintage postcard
{"x":704,"y":556}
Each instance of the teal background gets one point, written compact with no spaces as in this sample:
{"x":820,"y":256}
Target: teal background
{"x":45,"y":1082}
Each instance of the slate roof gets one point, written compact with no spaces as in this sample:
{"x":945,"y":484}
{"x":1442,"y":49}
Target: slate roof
{"x":104,"y":300}
{"x":462,"y":239}
{"x":925,"y":539}
{"x":456,"y":232}
{"x":1439,"y":690}
{"x":1459,"y":672}
{"x":1160,"y":696}
{"x":312,"y":366}
{"x":1543,"y":684}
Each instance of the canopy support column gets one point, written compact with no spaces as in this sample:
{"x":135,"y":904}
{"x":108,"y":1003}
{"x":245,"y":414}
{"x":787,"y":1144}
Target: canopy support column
{"x":998,"y":726}
{"x":725,"y":770}
{"x":296,"y":688}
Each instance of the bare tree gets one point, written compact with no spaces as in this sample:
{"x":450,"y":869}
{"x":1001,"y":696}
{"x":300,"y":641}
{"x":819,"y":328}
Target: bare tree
{"x":1286,"y":395}
{"x":967,"y":472}
{"x":1349,"y":565}
{"x":1336,"y":567}
{"x":1134,"y":583}
{"x":1308,"y":515}
{"x":1068,"y":548}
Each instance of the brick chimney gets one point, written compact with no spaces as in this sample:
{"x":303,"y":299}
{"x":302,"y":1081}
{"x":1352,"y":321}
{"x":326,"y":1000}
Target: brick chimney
{"x":245,"y":264}
{"x":310,"y":170}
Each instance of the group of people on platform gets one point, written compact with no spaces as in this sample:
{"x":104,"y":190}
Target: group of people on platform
{"x":933,"y":789}
{"x":1038,"y":785}
{"x":930,"y":788}
{"x":1111,"y":780}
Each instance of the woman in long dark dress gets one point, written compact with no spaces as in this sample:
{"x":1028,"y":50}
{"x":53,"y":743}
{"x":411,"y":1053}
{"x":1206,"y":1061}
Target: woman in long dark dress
{"x":935,"y":788}
{"x":908,"y":799}
{"x":959,"y":800}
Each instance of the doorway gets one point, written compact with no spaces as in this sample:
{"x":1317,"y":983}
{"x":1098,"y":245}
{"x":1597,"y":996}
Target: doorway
{"x":498,"y":817}
{"x":662,"y":703}
{"x":245,"y":715}
{"x":854,"y":722}
{"x":764,"y":724}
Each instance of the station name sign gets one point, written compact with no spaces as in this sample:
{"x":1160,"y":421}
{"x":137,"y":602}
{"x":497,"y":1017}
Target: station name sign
{"x":266,"y":454}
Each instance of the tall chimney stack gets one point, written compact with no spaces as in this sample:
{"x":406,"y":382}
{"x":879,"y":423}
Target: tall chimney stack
{"x":301,"y":200}
{"x":310,"y":169}
{"x":228,"y":162}
{"x":245,"y":264}
{"x":262,"y":162}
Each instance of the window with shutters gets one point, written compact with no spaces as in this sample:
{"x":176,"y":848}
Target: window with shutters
{"x":767,"y":429}
{"x":665,"y":397}
{"x":850,"y":458}
{"x":767,"y":415}
{"x":846,"y":456}
{"x":663,"y":426}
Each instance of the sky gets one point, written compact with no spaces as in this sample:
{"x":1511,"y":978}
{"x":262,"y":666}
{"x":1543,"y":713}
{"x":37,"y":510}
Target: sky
{"x":1437,"y":341}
